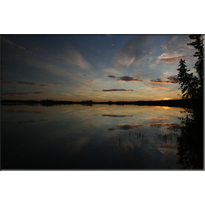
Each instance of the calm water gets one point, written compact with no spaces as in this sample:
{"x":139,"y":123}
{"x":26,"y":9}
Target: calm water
{"x":90,"y":137}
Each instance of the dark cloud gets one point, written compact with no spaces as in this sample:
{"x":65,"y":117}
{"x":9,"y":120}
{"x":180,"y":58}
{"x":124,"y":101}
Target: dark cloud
{"x":172,"y":60}
{"x":126,"y":78}
{"x":118,"y":115}
{"x":111,"y":76}
{"x":28,"y":93}
{"x":50,"y":120}
{"x":111,"y":128}
{"x":129,"y":79}
{"x":113,"y":90}
{"x":172,"y":79}
{"x":27,"y":83}
{"x":129,"y":126}
{"x":48,"y":85}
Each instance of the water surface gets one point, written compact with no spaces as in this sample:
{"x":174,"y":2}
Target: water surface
{"x":90,"y":137}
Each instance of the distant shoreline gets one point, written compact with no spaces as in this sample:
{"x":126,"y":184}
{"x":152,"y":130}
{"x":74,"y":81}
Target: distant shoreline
{"x":170,"y":103}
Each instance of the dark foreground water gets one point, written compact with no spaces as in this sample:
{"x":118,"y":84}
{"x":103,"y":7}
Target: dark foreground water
{"x":92,"y":137}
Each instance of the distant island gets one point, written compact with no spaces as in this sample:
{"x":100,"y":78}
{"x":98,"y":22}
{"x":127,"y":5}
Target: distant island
{"x":49,"y":102}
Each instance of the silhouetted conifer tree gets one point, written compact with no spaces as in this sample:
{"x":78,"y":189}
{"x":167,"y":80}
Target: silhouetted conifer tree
{"x":188,"y":82}
{"x":190,"y":85}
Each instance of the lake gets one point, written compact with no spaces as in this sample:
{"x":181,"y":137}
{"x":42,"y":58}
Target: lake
{"x":81,"y":137}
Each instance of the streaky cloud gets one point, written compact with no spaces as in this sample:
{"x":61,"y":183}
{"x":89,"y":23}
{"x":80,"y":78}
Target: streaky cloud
{"x":111,"y":76}
{"x":126,"y":78}
{"x":27,"y":93}
{"x":8,"y":41}
{"x":118,"y":115}
{"x":171,"y":79}
{"x":48,"y":85}
{"x":116,"y":90}
{"x":73,"y":56}
{"x":129,"y":79}
{"x":27,"y":83}
{"x":174,"y":59}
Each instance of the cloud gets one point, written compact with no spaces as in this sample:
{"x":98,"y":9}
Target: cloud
{"x":156,"y":119}
{"x":8,"y":41}
{"x":175,"y":49}
{"x":174,"y":59}
{"x":66,"y":94}
{"x":157,"y":86}
{"x":27,"y":83}
{"x":129,"y":126}
{"x":116,"y":90}
{"x":118,"y":115}
{"x":48,"y":85}
{"x":111,"y":128}
{"x":90,"y":81}
{"x":84,"y":74}
{"x":173,"y":126}
{"x":131,"y":52}
{"x":170,"y":125}
{"x":171,"y":79}
{"x":49,"y":120}
{"x":73,"y":56}
{"x":126,"y":78}
{"x":28,"y":93}
{"x":111,"y":76}
{"x":11,"y":43}
{"x":22,"y":48}
{"x":129,"y":79}
{"x":111,"y":70}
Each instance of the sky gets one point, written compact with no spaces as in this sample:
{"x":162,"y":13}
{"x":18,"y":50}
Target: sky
{"x":93,"y":67}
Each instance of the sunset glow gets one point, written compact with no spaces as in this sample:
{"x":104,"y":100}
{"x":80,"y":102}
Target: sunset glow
{"x":93,"y":67}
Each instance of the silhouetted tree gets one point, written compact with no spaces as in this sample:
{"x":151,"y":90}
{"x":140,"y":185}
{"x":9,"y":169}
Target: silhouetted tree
{"x":199,"y":65}
{"x":190,"y":142}
{"x":190,"y":85}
